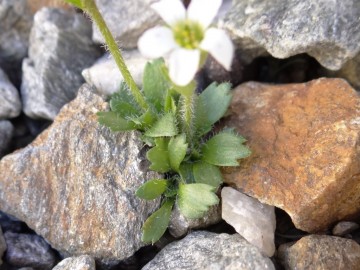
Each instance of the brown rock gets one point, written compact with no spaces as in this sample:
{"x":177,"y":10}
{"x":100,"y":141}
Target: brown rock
{"x":35,"y":5}
{"x":75,"y":184}
{"x":320,"y":252}
{"x":305,"y":143}
{"x":344,"y":227}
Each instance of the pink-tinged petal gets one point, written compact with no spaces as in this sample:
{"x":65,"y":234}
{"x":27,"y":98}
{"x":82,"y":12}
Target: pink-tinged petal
{"x":156,"y":42}
{"x":183,"y":65}
{"x":170,"y":11}
{"x":203,"y":11}
{"x":219,"y":45}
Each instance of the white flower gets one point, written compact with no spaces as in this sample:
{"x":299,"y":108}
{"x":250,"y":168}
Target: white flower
{"x":186,"y":37}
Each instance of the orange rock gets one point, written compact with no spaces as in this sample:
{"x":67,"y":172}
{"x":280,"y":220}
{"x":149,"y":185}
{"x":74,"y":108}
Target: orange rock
{"x":35,"y":5}
{"x":305,"y":140}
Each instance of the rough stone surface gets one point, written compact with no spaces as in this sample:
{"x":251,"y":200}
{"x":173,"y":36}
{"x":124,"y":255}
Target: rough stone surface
{"x":75,"y":184}
{"x":10,"y":105}
{"x":127,"y":20}
{"x":29,"y":250}
{"x":206,"y":250}
{"x":6,"y":133}
{"x":251,"y":219}
{"x":60,"y":48}
{"x":350,"y":71}
{"x":320,"y":252}
{"x":323,"y":29}
{"x":344,"y":227}
{"x":180,"y":225}
{"x":105,"y":74}
{"x":2,"y":245}
{"x":83,"y":262}
{"x":305,"y":149}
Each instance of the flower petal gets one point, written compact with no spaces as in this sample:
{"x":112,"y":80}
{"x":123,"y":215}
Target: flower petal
{"x":156,"y":42}
{"x":203,"y":11}
{"x":170,"y":11}
{"x":219,"y":45}
{"x":183,"y":65}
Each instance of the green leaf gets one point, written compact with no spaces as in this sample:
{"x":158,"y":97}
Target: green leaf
{"x":211,"y":105}
{"x":152,"y":189}
{"x":158,"y":156}
{"x":186,"y":172}
{"x":156,"y":225}
{"x":177,"y":150}
{"x":76,"y":3}
{"x":143,"y":121}
{"x":207,"y":174}
{"x":155,"y":83}
{"x":123,"y":103}
{"x":194,"y":200}
{"x":170,"y":102}
{"x":225,"y":149}
{"x":165,"y":126}
{"x":115,"y":122}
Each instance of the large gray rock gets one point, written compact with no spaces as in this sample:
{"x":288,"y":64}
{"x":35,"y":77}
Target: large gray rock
{"x":60,"y":48}
{"x":326,"y":30}
{"x":2,"y":245}
{"x":75,"y":184}
{"x":205,"y":250}
{"x":10,"y":105}
{"x":29,"y":250}
{"x":127,"y":20}
{"x":6,"y":133}
{"x":83,"y":262}
{"x":105,"y":74}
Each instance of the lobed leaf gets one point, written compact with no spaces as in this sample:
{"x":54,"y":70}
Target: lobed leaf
{"x":186,"y":172}
{"x":158,"y":156}
{"x":207,"y":174}
{"x":177,"y":150}
{"x":115,"y":122}
{"x":164,"y":127}
{"x":152,"y":189}
{"x":123,"y":103}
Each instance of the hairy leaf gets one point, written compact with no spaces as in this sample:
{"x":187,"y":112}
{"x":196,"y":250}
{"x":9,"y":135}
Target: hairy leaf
{"x":76,"y":3}
{"x":155,"y":226}
{"x":164,"y":127}
{"x":225,"y":149}
{"x":123,"y":103}
{"x":158,"y":156}
{"x":152,"y":189}
{"x":186,"y":172}
{"x":194,"y":200}
{"x":177,"y":150}
{"x":207,"y":174}
{"x":115,"y":122}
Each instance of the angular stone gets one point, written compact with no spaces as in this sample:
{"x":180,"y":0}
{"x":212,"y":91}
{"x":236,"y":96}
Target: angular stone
{"x":105,"y":74}
{"x":127,"y":20}
{"x":29,"y":250}
{"x":60,"y":48}
{"x":75,"y":184}
{"x":320,"y":252}
{"x":2,"y":245}
{"x":206,"y":250}
{"x":251,"y":219}
{"x":180,"y":225}
{"x":323,"y":29}
{"x":350,"y":71}
{"x":10,"y":105}
{"x":83,"y":262}
{"x":344,"y":227}
{"x":305,"y":149}
{"x":6,"y":133}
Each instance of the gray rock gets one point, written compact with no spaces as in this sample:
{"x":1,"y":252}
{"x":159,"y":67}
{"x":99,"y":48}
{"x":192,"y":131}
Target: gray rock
{"x":127,"y":20}
{"x":83,"y":262}
{"x":344,"y":227}
{"x":29,"y":250}
{"x":205,"y":250}
{"x":10,"y":105}
{"x":326,"y":30}
{"x":6,"y":133}
{"x":75,"y":184}
{"x":105,"y":75}
{"x":60,"y":48}
{"x":2,"y":245}
{"x":180,"y":225}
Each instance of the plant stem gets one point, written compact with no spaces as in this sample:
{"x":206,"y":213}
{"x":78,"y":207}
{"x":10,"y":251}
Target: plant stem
{"x":90,"y":7}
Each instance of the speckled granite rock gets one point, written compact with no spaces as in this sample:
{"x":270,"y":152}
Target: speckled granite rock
{"x":83,"y":262}
{"x":205,"y":250}
{"x":320,"y":252}
{"x":324,"y":29}
{"x":305,"y":157}
{"x":127,"y":20}
{"x":60,"y":48}
{"x":10,"y":104}
{"x":6,"y":133}
{"x":75,"y":184}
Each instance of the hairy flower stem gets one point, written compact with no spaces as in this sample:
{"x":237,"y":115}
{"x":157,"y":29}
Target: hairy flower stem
{"x":90,"y":7}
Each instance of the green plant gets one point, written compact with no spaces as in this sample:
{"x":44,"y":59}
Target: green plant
{"x":175,"y":122}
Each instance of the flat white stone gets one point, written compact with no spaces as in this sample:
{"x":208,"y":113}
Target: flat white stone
{"x":250,"y":218}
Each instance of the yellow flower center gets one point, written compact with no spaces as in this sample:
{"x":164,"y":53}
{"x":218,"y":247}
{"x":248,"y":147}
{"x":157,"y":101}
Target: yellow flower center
{"x":188,"y":34}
